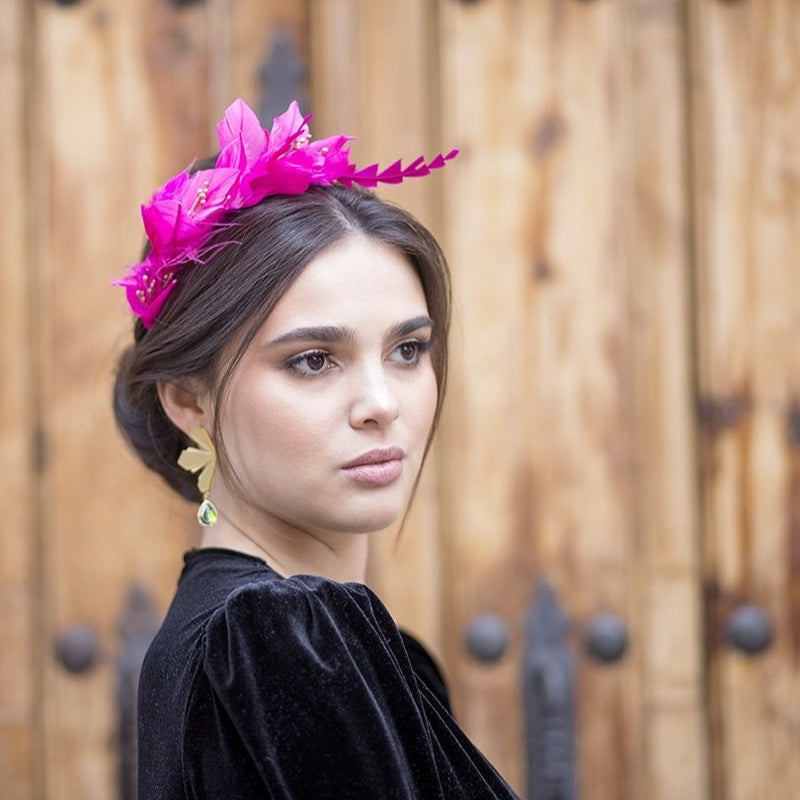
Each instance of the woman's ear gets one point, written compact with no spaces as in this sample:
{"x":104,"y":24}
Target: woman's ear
{"x":186,"y":407}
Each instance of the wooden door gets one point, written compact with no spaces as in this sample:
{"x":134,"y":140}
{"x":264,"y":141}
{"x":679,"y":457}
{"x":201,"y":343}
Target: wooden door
{"x":623,"y":418}
{"x":18,"y":551}
{"x":746,"y":192}
{"x":570,"y":429}
{"x":102,"y":101}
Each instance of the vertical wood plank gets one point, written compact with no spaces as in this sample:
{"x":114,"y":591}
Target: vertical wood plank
{"x":18,"y":675}
{"x":249,"y":36}
{"x":489,"y":53}
{"x":667,"y":524}
{"x":136,"y":87}
{"x":373,"y":75}
{"x":539,"y":440}
{"x":121,"y":104}
{"x":373,"y":66}
{"x":747,"y":195}
{"x":569,"y":434}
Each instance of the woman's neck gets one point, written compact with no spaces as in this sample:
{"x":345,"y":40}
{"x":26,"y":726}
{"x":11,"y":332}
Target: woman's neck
{"x":340,"y":557}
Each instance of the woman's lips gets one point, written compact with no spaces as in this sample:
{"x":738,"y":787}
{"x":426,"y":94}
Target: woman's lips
{"x":377,"y":467}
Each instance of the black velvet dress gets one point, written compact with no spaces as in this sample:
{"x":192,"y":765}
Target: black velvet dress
{"x":259,"y":686}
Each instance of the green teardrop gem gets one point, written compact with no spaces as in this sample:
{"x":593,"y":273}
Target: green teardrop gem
{"x":207,"y":514}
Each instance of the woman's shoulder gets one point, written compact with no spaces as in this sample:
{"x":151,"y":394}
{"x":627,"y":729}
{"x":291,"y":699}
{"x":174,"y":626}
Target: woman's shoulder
{"x":299,"y":612}
{"x":298,"y":588}
{"x":300,"y":672}
{"x":272,"y":643}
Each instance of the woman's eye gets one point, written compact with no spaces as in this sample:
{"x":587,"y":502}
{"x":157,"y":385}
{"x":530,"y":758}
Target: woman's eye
{"x":309,"y":363}
{"x":409,"y":352}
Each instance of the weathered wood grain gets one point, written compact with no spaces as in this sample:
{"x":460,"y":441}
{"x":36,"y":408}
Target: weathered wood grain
{"x":18,"y":533}
{"x":120,"y":102}
{"x":541,"y":450}
{"x":136,"y":88}
{"x":624,"y":408}
{"x":667,"y":549}
{"x":571,"y":420}
{"x":746,"y":125}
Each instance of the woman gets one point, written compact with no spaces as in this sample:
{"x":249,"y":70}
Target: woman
{"x":287,"y":370}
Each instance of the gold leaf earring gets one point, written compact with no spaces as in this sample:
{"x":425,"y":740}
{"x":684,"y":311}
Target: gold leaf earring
{"x":202,"y":459}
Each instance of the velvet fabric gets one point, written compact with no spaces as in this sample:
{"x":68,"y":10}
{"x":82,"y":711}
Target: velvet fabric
{"x":258,"y":686}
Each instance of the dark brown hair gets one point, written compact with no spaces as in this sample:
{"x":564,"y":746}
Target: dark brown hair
{"x":225,"y":300}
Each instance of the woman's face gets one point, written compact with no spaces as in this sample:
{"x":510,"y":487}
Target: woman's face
{"x":326,"y":418}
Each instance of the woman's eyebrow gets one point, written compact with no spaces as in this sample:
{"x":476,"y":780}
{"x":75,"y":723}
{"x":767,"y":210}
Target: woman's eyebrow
{"x":331,"y":334}
{"x":409,"y":326}
{"x":317,"y":333}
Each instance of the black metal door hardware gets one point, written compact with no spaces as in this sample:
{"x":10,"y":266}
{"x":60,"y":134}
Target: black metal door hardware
{"x":137,"y":627}
{"x":78,"y":651}
{"x":548,"y":679}
{"x":486,"y":638}
{"x":749,"y":630}
{"x":548,"y":682}
{"x":606,"y":638}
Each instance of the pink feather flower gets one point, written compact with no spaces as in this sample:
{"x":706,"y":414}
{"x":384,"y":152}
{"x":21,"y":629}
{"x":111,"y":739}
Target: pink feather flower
{"x":253,"y":163}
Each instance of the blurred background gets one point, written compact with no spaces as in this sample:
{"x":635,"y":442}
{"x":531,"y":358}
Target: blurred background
{"x":605,"y":549}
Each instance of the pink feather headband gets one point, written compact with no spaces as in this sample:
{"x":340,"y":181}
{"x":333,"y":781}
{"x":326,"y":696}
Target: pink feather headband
{"x":253,"y":163}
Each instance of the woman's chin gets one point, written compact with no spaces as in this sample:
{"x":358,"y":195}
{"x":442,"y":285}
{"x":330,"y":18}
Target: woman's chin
{"x":374,"y":522}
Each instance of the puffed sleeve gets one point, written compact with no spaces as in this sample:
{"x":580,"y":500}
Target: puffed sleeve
{"x":306,"y":691}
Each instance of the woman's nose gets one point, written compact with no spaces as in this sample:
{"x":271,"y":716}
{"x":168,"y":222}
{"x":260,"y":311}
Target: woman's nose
{"x":374,"y":401}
